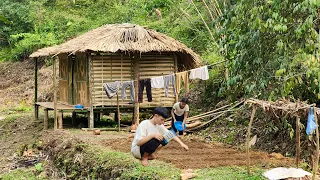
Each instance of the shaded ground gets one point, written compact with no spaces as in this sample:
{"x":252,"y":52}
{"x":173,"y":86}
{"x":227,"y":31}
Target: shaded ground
{"x":200,"y":155}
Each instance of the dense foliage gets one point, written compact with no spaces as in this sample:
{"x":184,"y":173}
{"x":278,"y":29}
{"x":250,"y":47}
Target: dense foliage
{"x":270,"y":47}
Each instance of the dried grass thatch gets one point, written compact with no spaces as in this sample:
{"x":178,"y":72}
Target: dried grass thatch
{"x":124,"y":38}
{"x":282,"y":107}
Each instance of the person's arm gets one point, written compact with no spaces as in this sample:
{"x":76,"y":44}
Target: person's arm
{"x":145,"y":139}
{"x":181,"y":143}
{"x":173,"y":116}
{"x":185,"y":117}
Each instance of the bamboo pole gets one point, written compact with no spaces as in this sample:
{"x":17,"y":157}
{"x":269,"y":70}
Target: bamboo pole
{"x":248,"y":138}
{"x":209,"y":12}
{"x":316,"y":163}
{"x":60,"y":117}
{"x":45,"y":123}
{"x":55,"y":121}
{"x":205,"y":24}
{"x":36,"y":107}
{"x":175,"y":71}
{"x":118,"y":111}
{"x":297,"y":140}
{"x":90,"y":118}
{"x":136,"y":86}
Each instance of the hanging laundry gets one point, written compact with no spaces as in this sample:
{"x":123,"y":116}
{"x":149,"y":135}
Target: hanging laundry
{"x":169,"y":79}
{"x":311,"y":123}
{"x":126,"y":84}
{"x":185,"y":77}
{"x":199,"y":73}
{"x":112,"y":88}
{"x":142,"y":83}
{"x":157,"y":82}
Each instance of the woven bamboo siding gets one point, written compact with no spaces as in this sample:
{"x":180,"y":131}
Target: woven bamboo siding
{"x":153,"y":66}
{"x":81,"y":79}
{"x":119,"y":67}
{"x":63,"y":78}
{"x":115,"y":67}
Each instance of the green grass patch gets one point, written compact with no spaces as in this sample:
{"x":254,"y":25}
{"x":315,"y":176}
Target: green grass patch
{"x":227,"y":173}
{"x":77,"y":160}
{"x":26,"y":174}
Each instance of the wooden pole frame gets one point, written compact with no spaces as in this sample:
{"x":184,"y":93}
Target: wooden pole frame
{"x":90,"y":118}
{"x":55,"y":121}
{"x":118,"y":111}
{"x":297,"y":140}
{"x":175,"y":71}
{"x":36,"y":107}
{"x":254,"y":108}
{"x":136,"y":89}
{"x":316,"y":163}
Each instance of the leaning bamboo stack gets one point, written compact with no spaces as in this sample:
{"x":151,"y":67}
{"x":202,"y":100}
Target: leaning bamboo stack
{"x":200,"y":121}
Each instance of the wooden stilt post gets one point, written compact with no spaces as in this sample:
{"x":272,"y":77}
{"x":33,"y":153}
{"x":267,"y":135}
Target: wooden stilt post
{"x":90,"y":118}
{"x":175,"y":71}
{"x":316,"y":163}
{"x":297,"y":140}
{"x":36,"y":107}
{"x":55,"y":123}
{"x":118,"y":111}
{"x":60,"y":120}
{"x":74,"y":114}
{"x":136,"y":88}
{"x":248,"y":138}
{"x":46,"y":118}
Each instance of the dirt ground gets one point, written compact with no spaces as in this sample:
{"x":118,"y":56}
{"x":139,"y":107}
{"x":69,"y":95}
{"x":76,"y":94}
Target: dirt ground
{"x":201,"y":154}
{"x":17,"y":83}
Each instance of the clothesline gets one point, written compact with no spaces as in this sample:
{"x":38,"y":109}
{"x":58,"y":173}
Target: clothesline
{"x":173,"y":79}
{"x":171,"y":73}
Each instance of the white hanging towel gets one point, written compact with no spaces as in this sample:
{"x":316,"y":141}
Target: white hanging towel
{"x":157,"y":82}
{"x":199,"y":73}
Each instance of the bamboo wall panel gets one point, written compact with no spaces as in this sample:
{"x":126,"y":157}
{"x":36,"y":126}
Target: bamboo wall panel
{"x":110,"y":68}
{"x":119,"y":67}
{"x":153,"y":66}
{"x":63,"y":78}
{"x":63,"y":91}
{"x":81,"y":79}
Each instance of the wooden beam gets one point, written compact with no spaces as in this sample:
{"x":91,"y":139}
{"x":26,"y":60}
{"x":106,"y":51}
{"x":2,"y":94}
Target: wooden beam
{"x":46,"y":119}
{"x":136,"y":86}
{"x":248,"y":137}
{"x":297,"y":140}
{"x":91,"y":121}
{"x":55,"y":121}
{"x":316,"y":163}
{"x":36,"y":107}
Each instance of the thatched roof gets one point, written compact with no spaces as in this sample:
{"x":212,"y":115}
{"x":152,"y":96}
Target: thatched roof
{"x":124,"y":38}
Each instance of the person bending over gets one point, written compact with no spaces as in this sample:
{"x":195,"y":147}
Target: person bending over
{"x":149,"y":137}
{"x":180,"y":112}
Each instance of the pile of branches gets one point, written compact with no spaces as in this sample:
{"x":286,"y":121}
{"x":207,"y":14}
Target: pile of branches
{"x":282,"y":107}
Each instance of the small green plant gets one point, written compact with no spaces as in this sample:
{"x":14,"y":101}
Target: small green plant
{"x":22,"y":107}
{"x":39,"y":167}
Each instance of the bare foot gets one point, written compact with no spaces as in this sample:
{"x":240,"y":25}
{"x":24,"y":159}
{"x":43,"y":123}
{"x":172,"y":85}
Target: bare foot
{"x":151,"y":157}
{"x":144,"y":161}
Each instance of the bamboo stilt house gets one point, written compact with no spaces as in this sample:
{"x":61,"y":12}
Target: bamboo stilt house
{"x":116,"y":52}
